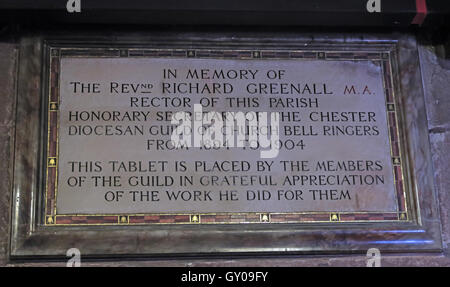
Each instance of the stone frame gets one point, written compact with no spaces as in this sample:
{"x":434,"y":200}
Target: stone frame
{"x":33,"y":238}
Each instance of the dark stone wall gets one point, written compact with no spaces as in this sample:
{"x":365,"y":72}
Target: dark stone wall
{"x":436,"y":82}
{"x":8,"y":66}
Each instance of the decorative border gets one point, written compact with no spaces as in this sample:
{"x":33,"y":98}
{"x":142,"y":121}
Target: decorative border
{"x":51,"y":166}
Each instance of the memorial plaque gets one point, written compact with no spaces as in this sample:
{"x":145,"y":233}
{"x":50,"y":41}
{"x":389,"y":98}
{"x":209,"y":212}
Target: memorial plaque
{"x":330,"y":119}
{"x":163,"y":145}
